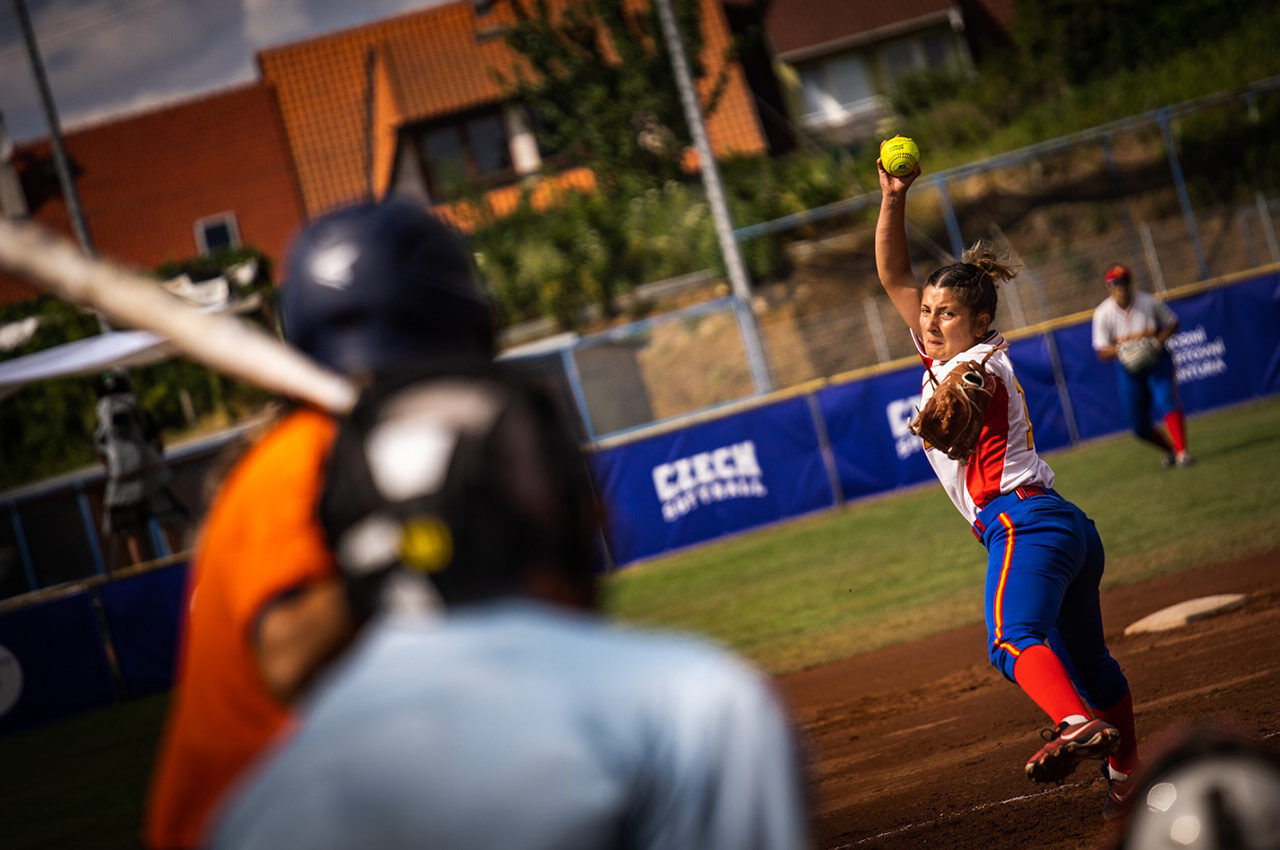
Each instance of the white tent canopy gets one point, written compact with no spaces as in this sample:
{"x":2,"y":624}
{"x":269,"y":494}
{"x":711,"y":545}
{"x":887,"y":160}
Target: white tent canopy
{"x":96,"y":354}
{"x":89,"y":356}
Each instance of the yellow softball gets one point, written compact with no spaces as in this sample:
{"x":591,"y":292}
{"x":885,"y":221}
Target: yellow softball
{"x":899,"y":156}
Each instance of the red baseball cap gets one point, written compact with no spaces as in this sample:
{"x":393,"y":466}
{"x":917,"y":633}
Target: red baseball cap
{"x":1118,"y":274}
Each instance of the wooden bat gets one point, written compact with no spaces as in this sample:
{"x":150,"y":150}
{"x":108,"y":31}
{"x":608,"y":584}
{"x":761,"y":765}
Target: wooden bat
{"x":223,"y":342}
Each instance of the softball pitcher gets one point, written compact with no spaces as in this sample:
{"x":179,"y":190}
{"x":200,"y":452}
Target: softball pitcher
{"x":1044,"y":555}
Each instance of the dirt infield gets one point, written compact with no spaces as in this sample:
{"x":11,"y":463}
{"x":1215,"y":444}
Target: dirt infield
{"x":922,"y":745}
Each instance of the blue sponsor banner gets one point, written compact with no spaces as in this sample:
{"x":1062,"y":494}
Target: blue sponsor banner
{"x":711,"y":479}
{"x":143,"y":612}
{"x":1227,"y":350}
{"x":867,"y":424}
{"x":1091,"y":384}
{"x":52,"y":663}
{"x":1228,"y":346}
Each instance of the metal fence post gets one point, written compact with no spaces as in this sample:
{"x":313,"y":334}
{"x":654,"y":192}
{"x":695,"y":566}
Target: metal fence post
{"x":575,"y":389}
{"x":1153,"y":259}
{"x":1055,"y":362}
{"x":949,"y":216}
{"x":825,"y":451}
{"x":1180,"y":184}
{"x":877,"y":329}
{"x":1108,"y":157}
{"x":24,"y":552}
{"x":1268,"y":226}
{"x":90,"y":528}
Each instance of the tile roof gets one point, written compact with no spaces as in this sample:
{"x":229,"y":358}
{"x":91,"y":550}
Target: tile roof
{"x":797,"y":25}
{"x":144,"y":180}
{"x":430,"y":63}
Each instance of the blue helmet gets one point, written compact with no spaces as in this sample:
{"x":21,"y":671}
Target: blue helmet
{"x":379,"y":286}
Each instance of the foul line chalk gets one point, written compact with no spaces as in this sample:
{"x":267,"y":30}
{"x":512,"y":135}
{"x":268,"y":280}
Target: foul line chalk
{"x":947,"y":818}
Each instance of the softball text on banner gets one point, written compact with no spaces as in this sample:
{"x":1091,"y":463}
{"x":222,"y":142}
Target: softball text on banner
{"x":712,"y":479}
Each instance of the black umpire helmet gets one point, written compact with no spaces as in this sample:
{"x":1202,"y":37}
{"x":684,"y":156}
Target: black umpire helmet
{"x":378,"y":286}
{"x":464,"y":481}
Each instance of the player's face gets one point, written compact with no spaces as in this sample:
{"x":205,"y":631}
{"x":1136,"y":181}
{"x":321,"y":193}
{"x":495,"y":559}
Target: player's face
{"x":948,"y":326}
{"x":1121,"y":292}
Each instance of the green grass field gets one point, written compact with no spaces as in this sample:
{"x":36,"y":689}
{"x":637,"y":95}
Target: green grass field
{"x":903,"y":566}
{"x":794,"y":595}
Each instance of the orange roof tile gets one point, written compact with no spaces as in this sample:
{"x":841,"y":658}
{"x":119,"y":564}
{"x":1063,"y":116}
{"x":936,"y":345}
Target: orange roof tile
{"x":797,"y":25}
{"x":145,"y":179}
{"x":438,"y":61}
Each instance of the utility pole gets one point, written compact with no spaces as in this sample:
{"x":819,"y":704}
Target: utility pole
{"x":60,"y":160}
{"x":715,"y":196}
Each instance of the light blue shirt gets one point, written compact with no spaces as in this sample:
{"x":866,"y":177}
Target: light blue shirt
{"x":513,"y":725}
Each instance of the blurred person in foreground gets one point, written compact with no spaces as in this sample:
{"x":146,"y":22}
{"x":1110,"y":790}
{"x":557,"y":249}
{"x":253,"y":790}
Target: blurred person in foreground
{"x":1208,"y":787}
{"x":370,"y":289}
{"x":1132,"y":328}
{"x":487,"y":703}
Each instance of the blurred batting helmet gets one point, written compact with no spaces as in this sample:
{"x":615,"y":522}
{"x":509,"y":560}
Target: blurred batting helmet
{"x":379,"y":286}
{"x":462,"y":481}
{"x":1212,"y":789}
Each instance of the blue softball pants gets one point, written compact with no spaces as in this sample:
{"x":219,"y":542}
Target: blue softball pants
{"x":1044,"y":565}
{"x":1148,"y":395}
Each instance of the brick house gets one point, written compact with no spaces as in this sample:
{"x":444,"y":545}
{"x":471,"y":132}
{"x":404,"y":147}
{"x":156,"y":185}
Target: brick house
{"x":171,"y":183}
{"x":839,"y":60}
{"x":388,"y":106}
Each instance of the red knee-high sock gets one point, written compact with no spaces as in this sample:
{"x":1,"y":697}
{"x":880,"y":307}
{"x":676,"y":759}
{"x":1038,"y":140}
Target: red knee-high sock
{"x":1120,"y":715}
{"x":1041,"y":675}
{"x":1177,"y":426}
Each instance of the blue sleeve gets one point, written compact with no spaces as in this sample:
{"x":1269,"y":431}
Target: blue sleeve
{"x":734,"y":778}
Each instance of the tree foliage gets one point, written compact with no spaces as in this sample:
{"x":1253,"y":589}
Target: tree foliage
{"x":600,"y":87}
{"x":1076,"y":41}
{"x":47,"y":427}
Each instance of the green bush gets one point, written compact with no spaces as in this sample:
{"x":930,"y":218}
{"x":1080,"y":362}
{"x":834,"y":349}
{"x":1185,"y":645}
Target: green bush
{"x":47,"y":427}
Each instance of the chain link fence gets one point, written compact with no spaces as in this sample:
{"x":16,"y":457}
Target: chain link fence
{"x":1181,"y":195}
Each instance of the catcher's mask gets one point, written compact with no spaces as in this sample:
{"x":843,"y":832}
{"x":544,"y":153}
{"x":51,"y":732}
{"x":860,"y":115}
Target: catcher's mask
{"x":460,"y":480}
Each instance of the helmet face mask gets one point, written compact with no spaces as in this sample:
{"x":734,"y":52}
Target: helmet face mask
{"x":378,"y":287}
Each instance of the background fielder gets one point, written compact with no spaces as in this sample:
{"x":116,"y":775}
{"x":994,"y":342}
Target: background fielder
{"x":1132,"y":328}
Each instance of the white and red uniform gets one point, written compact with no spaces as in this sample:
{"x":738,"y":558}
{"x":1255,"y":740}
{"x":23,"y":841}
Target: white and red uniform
{"x":1006,"y":457}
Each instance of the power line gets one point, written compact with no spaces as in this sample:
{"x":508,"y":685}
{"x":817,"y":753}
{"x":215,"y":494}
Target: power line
{"x":73,"y":24}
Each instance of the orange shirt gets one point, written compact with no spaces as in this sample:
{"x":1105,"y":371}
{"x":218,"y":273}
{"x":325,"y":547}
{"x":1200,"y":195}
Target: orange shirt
{"x":260,"y":539}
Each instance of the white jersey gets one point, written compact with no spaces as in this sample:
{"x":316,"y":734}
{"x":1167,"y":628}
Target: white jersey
{"x":1145,"y":314}
{"x":520,"y":726}
{"x":1006,"y":454}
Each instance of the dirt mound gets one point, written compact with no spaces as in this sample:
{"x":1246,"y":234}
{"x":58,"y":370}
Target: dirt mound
{"x":923,"y":744}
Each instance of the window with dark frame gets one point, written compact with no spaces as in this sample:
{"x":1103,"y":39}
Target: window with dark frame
{"x":217,"y":232}
{"x":470,"y":150}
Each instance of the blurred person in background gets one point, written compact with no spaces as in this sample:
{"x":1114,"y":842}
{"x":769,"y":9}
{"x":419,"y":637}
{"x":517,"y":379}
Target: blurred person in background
{"x":370,"y":289}
{"x":1132,"y":328}
{"x":487,"y":703}
{"x":131,"y":448}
